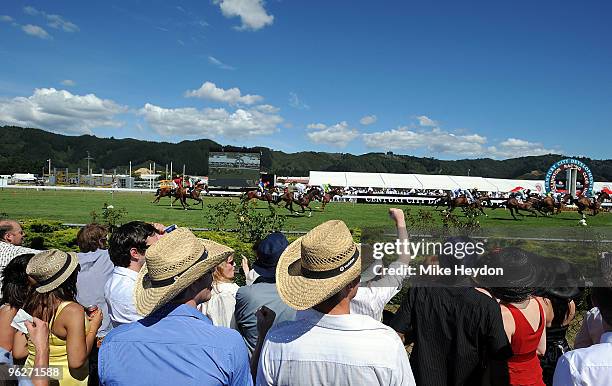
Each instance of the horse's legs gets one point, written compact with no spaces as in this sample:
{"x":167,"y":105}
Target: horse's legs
{"x":482,"y":210}
{"x":512,"y":212}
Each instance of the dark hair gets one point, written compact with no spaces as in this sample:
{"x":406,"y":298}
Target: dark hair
{"x":131,"y":235}
{"x":602,"y":297}
{"x":44,"y":305}
{"x":15,"y":284}
{"x":89,"y":237}
{"x":512,"y":294}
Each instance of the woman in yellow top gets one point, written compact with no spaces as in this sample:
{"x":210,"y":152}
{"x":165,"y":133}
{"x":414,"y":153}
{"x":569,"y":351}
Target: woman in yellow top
{"x":53,"y":275}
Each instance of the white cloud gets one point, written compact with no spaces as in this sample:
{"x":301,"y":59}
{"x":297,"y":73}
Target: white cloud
{"x":251,"y":12}
{"x":434,"y":140}
{"x":208,"y":122}
{"x":179,"y":41}
{"x":220,"y":64}
{"x":58,"y":22}
{"x":61,"y":111}
{"x":30,"y":10}
{"x":53,"y":21}
{"x":437,"y":141}
{"x":35,"y":30}
{"x":338,"y":135}
{"x":6,"y":18}
{"x":426,"y":121}
{"x":368,"y":120}
{"x":68,"y":82}
{"x":296,"y":102}
{"x":513,"y":147}
{"x":232,"y":96}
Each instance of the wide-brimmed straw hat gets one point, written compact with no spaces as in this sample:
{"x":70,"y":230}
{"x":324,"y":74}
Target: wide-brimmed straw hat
{"x":174,"y":262}
{"x":50,"y":269}
{"x":318,"y":265}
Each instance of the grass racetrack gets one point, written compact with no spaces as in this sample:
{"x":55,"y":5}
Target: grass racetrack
{"x":76,"y":207}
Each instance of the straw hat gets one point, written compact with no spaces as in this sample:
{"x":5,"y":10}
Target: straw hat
{"x":174,"y":262}
{"x":51,"y":268}
{"x":317,"y":265}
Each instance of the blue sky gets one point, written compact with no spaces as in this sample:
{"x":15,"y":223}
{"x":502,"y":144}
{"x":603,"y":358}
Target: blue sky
{"x":443,"y":79}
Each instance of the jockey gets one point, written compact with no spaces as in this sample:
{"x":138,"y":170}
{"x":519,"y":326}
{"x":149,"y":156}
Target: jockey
{"x":469,"y":196}
{"x":260,"y":187}
{"x":177,"y":182}
{"x":299,"y":190}
{"x":456,"y":192}
{"x":324,"y":188}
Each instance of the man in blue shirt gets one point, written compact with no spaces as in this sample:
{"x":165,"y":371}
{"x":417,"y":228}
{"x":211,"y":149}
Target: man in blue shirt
{"x":263,"y":291}
{"x":175,"y":343}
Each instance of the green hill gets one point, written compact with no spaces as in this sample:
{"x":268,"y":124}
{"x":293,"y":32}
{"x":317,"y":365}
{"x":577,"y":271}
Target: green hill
{"x":27,"y":149}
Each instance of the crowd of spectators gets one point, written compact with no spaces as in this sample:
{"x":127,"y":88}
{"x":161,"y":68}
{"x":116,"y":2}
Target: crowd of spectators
{"x":150,"y":307}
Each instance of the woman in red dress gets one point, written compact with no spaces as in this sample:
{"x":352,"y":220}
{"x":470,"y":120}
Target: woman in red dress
{"x":522,"y":313}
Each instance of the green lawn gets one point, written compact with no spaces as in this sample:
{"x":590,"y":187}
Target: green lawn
{"x":76,"y":207}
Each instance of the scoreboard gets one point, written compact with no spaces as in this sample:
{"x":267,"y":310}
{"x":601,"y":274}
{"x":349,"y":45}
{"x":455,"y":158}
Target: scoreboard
{"x":233,"y":169}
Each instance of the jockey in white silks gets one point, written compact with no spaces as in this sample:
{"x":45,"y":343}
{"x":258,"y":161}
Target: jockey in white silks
{"x":300,"y":189}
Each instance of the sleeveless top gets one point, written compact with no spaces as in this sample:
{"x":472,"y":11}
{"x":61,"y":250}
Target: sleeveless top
{"x":524,"y":365}
{"x":58,"y":355}
{"x":556,"y":341}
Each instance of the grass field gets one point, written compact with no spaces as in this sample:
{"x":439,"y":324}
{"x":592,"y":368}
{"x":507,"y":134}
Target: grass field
{"x":76,"y":207}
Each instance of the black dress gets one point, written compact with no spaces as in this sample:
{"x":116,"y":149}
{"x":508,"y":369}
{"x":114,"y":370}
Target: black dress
{"x":556,"y":342}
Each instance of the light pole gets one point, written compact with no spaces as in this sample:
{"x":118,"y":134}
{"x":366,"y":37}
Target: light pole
{"x":88,"y":158}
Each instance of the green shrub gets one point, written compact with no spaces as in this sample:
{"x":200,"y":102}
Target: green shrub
{"x":49,"y":234}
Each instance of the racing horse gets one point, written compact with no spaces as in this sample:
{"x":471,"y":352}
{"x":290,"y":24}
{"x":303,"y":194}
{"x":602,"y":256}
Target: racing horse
{"x":194,"y":194}
{"x":327,"y":197}
{"x":514,"y":205}
{"x":548,"y":205}
{"x":463,"y":203}
{"x":265,"y":196}
{"x":177,"y":193}
{"x":584,"y":203}
{"x":303,"y":202}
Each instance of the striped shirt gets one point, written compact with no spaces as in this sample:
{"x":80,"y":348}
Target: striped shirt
{"x":320,"y":349}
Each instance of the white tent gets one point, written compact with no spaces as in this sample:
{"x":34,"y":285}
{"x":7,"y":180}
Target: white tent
{"x":332,"y":178}
{"x":364,"y":180}
{"x":435,"y":181}
{"x":479,"y":183}
{"x":598,"y":186}
{"x":506,"y":185}
{"x":401,"y":181}
{"x":428,"y":181}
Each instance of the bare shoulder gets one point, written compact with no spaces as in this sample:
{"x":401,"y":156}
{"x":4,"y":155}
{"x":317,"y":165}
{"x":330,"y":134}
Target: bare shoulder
{"x":72,"y":311}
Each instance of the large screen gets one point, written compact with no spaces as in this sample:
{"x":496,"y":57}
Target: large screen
{"x":237,"y":170}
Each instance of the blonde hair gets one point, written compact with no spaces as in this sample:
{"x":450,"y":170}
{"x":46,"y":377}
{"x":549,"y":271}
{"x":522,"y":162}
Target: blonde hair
{"x":218,"y":272}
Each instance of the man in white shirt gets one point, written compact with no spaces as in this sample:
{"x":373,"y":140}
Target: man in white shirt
{"x":592,"y":365}
{"x":11,"y":237}
{"x":318,"y":275}
{"x":376,"y":291}
{"x":127,"y":247}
